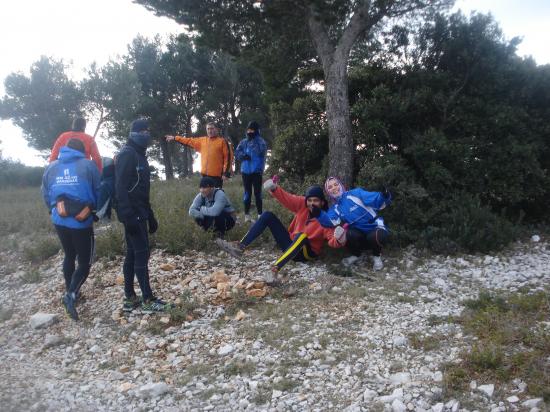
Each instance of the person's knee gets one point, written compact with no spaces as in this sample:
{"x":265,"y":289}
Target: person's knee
{"x":267,"y":216}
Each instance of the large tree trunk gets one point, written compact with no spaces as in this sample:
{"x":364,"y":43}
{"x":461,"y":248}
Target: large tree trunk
{"x":339,"y":123}
{"x":166,"y":159}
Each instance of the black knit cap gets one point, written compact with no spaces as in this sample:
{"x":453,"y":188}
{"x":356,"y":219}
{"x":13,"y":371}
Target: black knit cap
{"x":207,"y":181}
{"x":253,"y":125}
{"x":139,"y":125}
{"x":79,"y":124}
{"x":316,"y":191}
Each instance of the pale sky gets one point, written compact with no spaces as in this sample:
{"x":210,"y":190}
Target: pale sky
{"x":83,"y":31}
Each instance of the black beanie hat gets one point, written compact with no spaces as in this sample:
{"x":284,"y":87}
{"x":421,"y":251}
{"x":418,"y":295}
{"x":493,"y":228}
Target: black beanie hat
{"x":79,"y":124}
{"x":316,"y":191}
{"x":139,"y":125}
{"x":253,"y":125}
{"x":207,"y":181}
{"x":76,"y":144}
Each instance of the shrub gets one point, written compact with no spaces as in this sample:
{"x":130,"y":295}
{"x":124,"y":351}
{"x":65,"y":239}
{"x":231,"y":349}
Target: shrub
{"x":15,"y":174}
{"x":109,"y":241}
{"x":41,"y":249}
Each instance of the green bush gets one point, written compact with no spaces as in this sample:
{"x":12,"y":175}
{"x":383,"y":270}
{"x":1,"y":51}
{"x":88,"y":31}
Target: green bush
{"x":15,"y":174}
{"x":41,"y":249}
{"x":109,"y":241}
{"x":23,"y":211}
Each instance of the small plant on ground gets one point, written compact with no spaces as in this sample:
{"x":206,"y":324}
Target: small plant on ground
{"x":41,"y":249}
{"x":511,"y":342}
{"x":31,"y":276}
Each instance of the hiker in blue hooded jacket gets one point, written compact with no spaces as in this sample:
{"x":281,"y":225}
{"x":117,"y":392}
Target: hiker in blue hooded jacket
{"x":355,"y":217}
{"x":252,"y":151}
{"x":70,"y":188}
{"x":132,"y":184}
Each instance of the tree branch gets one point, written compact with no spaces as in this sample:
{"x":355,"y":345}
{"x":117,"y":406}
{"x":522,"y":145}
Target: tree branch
{"x":320,"y":38}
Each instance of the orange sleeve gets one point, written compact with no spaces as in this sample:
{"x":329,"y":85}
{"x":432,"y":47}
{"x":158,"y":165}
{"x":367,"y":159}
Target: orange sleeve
{"x":96,"y":157}
{"x":227,"y":158}
{"x":329,"y":236}
{"x":294,"y":203}
{"x":194,"y":142}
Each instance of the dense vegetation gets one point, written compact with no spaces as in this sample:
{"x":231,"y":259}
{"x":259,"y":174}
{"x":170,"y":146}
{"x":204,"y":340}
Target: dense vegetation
{"x":442,"y":111}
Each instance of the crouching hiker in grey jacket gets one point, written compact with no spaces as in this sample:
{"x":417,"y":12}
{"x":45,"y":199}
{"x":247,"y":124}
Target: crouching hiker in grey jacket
{"x":211,"y":207}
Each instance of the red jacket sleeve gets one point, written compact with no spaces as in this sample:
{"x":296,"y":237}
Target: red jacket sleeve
{"x":329,"y":236}
{"x":294,"y":203}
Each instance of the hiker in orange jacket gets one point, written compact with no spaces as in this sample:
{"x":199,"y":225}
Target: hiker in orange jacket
{"x":77,"y":132}
{"x":304,"y":238}
{"x":216,"y":153}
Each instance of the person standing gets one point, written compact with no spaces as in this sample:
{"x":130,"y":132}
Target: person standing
{"x":77,"y":132}
{"x":215,"y":150}
{"x":212,"y":208}
{"x":252,"y":151}
{"x":70,"y":188}
{"x":132,"y":184}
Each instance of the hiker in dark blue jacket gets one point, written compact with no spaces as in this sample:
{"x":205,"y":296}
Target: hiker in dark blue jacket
{"x":70,"y":187}
{"x":132,"y":183}
{"x":252,"y":151}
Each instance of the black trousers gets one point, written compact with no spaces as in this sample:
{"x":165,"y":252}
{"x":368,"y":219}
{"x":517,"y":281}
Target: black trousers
{"x":136,"y":262}
{"x":358,"y":241}
{"x":221,"y":223}
{"x":78,"y":245}
{"x":252,"y":181}
{"x":298,"y":249}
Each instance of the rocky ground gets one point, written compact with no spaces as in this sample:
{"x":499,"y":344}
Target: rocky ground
{"x":321,"y":342}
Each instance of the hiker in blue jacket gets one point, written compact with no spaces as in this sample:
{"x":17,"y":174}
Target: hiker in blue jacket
{"x":252,"y":151}
{"x":355,"y":216}
{"x":70,"y":187}
{"x":132,"y":184}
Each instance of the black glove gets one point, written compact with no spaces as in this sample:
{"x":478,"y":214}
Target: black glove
{"x":246,"y":157}
{"x":153,"y":224}
{"x":315,"y":211}
{"x":132,"y":226}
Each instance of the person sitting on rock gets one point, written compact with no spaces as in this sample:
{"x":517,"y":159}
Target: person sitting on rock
{"x":212,"y":208}
{"x":303,"y":239}
{"x":355,"y":216}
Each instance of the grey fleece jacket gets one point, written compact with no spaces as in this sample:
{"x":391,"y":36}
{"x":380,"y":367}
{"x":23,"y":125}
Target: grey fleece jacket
{"x":210,"y":206}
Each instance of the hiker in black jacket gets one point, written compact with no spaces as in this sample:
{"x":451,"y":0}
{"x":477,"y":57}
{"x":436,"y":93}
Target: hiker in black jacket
{"x":132,"y":182}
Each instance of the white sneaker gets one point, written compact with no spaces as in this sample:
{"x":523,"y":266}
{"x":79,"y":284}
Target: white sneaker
{"x":350,"y":260}
{"x":247,"y":218}
{"x":377,"y":263}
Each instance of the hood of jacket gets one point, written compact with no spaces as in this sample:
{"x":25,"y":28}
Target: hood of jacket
{"x":66,"y":154}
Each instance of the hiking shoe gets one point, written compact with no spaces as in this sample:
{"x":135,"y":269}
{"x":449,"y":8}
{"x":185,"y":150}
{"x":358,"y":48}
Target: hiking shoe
{"x":155,"y":305}
{"x":377,"y":263}
{"x":130,"y":304}
{"x":350,"y":260}
{"x":233,"y":248}
{"x":69,"y":302}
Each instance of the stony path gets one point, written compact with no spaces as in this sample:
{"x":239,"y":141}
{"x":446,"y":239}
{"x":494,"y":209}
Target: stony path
{"x":371,"y":342}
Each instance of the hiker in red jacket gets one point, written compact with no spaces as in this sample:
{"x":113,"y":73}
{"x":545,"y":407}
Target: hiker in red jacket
{"x":77,"y":132}
{"x":305,"y":236}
